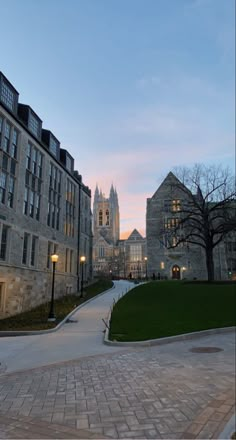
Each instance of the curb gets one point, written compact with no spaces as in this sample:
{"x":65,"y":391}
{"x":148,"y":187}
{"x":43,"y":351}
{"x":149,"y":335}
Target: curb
{"x":229,"y":429}
{"x":166,"y":340}
{"x":51,"y":330}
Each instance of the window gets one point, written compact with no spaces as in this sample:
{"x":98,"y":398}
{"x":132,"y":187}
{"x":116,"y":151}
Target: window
{"x":25,"y":248}
{"x":54,"y":197}
{"x":34,"y":126}
{"x":7,"y":96}
{"x":68,"y":163}
{"x":26,"y":201}
{"x":135,"y":252}
{"x":71,"y":261}
{"x":176,"y":206}
{"x":13,"y":152}
{"x":172,"y":223}
{"x":3,"y":184}
{"x":162,"y":265}
{"x":100,"y":218}
{"x":107,"y":218}
{"x":28,"y":157}
{"x":10,"y":191}
{"x":33,"y":174}
{"x":31,"y":204}
{"x":70,"y":209}
{"x":3,"y":242}
{"x":33,"y":250}
{"x":167,"y":205}
{"x":6,"y":140}
{"x":53,"y":146}
{"x":101,"y":252}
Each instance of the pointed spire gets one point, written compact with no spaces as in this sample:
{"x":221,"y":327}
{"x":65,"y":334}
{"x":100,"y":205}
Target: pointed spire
{"x":96,"y":194}
{"x":112,"y":192}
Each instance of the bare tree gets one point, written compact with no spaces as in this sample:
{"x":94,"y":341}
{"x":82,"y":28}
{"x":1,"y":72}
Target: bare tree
{"x":207,"y":212}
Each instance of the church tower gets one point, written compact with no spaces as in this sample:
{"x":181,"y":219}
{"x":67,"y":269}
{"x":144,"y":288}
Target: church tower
{"x":106,"y":216}
{"x":106,"y":229}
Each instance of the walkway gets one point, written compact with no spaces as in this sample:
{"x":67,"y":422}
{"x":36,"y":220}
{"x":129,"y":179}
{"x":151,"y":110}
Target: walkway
{"x":72,"y":341}
{"x":157,"y":392}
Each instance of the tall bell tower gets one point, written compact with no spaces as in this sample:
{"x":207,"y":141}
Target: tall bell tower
{"x":106,"y":216}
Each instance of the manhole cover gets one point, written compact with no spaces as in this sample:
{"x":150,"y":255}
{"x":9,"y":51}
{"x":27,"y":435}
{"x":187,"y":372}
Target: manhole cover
{"x":205,"y":349}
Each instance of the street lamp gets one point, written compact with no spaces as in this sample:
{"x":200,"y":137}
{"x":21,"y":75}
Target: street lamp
{"x":82,"y":261}
{"x":51,"y":316}
{"x":145,"y":259}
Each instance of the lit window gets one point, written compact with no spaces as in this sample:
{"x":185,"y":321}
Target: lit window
{"x":176,"y":205}
{"x":162,"y":265}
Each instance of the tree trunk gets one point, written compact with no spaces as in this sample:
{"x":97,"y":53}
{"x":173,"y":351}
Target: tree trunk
{"x":210,"y":264}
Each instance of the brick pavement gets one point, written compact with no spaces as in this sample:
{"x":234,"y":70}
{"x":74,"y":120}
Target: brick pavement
{"x":154,"y":392}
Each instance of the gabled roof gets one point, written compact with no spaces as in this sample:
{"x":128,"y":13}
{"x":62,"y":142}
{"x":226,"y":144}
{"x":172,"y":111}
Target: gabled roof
{"x":170,"y":179}
{"x":135,"y":235}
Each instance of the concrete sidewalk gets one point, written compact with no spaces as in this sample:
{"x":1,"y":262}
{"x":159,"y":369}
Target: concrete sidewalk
{"x":72,"y":341}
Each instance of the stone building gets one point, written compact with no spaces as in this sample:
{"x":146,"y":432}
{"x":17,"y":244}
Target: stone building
{"x":44,"y":208}
{"x":133,"y":256}
{"x":106,"y":232}
{"x":186,"y":260}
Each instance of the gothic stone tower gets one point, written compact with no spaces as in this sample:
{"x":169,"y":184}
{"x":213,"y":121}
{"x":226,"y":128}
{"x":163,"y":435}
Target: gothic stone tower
{"x":106,"y":229}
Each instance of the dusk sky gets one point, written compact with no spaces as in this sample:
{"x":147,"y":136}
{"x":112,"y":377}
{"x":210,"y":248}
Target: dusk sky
{"x":131,"y":88}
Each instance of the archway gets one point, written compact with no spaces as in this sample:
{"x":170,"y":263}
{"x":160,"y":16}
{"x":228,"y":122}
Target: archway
{"x":175,"y":272}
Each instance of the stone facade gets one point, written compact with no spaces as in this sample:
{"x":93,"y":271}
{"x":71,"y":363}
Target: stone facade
{"x":44,"y":208}
{"x":133,"y":256}
{"x":106,"y":230}
{"x":185,"y":261}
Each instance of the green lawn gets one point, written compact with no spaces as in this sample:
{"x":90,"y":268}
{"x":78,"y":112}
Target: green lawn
{"x":168,"y":308}
{"x":36,"y":319}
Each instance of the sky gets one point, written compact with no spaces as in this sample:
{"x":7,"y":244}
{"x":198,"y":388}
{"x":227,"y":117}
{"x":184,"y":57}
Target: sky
{"x":131,"y":88}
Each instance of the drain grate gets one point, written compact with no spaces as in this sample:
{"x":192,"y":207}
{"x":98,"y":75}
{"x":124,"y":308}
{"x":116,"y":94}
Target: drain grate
{"x":205,"y":349}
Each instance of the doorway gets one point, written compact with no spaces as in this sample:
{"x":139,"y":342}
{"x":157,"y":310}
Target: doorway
{"x":175,"y":272}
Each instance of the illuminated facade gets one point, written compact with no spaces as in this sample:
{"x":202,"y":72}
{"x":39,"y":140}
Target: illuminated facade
{"x":44,"y":208}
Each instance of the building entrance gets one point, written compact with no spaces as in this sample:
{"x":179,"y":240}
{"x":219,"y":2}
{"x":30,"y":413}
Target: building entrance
{"x":175,"y":272}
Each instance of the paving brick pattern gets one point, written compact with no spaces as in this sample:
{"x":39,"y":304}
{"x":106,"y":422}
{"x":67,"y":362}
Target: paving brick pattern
{"x":155,"y":392}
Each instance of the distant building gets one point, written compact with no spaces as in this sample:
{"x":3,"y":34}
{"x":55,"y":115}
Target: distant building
{"x":106,"y":232}
{"x":186,"y":260}
{"x":44,"y":208}
{"x":133,"y":256}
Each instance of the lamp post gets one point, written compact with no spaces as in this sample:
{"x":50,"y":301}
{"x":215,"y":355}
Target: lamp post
{"x":51,"y":316}
{"x":145,"y":259}
{"x":82,"y":261}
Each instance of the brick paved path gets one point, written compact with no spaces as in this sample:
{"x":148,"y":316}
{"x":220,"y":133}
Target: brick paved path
{"x":154,"y":392}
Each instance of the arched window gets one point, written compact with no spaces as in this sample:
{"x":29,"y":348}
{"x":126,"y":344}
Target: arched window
{"x":107,"y":217}
{"x":100,"y":218}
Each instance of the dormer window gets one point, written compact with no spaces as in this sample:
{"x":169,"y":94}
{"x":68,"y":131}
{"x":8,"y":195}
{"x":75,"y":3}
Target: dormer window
{"x":34,"y":126}
{"x":68,"y":163}
{"x":53,"y":146}
{"x":7,"y":96}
